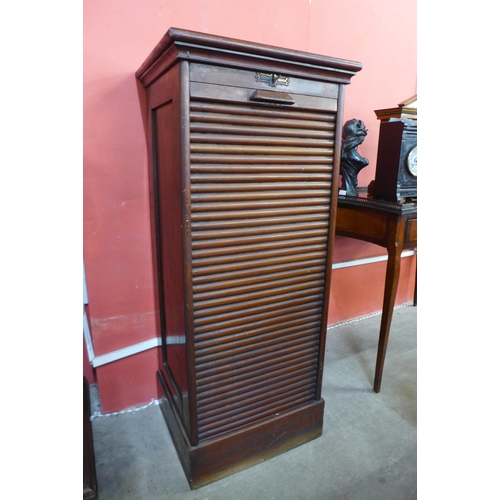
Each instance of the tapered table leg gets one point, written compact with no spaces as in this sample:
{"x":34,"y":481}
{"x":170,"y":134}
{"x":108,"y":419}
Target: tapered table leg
{"x":394,"y":249}
{"x":415,"y":291}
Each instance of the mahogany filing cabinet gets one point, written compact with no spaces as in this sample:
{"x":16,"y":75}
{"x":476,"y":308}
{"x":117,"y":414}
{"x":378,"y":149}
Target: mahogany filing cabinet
{"x":244,"y":151}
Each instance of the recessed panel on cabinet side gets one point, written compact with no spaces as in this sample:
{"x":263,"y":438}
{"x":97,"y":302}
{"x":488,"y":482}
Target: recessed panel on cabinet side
{"x":167,"y":185}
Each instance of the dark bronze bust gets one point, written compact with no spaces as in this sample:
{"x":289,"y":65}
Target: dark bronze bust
{"x":351,"y":163}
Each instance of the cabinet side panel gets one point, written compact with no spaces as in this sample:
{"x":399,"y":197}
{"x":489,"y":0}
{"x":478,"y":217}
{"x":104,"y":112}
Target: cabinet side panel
{"x":167,"y":181}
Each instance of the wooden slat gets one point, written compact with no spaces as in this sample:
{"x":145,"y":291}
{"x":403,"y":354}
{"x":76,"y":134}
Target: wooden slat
{"x":267,"y":308}
{"x":245,"y":241}
{"x":241,"y":263}
{"x":236,"y":380}
{"x":224,"y":187}
{"x":230,"y":395}
{"x":270,"y":319}
{"x":252,"y":197}
{"x":269,"y":130}
{"x":259,"y":140}
{"x":251,"y":282}
{"x":206,"y":316}
{"x":267,"y":177}
{"x":245,"y":413}
{"x":231,"y":325}
{"x":229,"y":251}
{"x":275,"y":322}
{"x":288,"y":326}
{"x":244,"y":394}
{"x":263,"y":411}
{"x":267,"y":226}
{"x":255,"y":149}
{"x":214,"y":107}
{"x":297,"y":222}
{"x":236,"y":215}
{"x":250,"y":272}
{"x":259,"y":158}
{"x":304,"y":327}
{"x":245,"y":374}
{"x":219,"y":298}
{"x":203,"y":111}
{"x":260,"y":121}
{"x":269,"y":169}
{"x":249,"y":346}
{"x":255,"y":405}
{"x":248,"y":365}
{"x":219,"y":389}
{"x":270,"y":389}
{"x":224,"y":365}
{"x":253,"y":204}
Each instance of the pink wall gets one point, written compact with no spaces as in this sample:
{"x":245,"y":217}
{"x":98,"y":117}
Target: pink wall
{"x":118,"y":35}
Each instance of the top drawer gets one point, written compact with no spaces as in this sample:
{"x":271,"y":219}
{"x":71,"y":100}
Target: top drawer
{"x":258,"y":80}
{"x":216,"y":81}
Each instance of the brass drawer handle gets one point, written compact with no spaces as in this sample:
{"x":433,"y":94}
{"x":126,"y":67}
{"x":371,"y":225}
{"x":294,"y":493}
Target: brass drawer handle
{"x":272,"y":97}
{"x":272,"y":79}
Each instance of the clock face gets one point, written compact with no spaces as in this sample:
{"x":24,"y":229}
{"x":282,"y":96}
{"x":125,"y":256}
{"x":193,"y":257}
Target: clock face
{"x":411,"y":162}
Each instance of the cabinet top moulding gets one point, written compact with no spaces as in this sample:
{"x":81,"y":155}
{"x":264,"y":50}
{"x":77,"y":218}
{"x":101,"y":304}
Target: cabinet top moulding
{"x":187,"y":45}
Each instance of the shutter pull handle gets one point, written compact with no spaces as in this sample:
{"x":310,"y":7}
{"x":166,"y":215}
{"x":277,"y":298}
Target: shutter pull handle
{"x":268,"y":96}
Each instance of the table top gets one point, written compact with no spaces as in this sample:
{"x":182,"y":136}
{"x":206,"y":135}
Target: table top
{"x":363,"y":201}
{"x":377,"y":221}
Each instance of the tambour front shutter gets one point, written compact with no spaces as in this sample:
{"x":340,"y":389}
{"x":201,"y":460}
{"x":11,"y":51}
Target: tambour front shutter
{"x":260,"y":206}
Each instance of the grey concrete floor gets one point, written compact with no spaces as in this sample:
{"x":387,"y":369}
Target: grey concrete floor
{"x":368,"y":450}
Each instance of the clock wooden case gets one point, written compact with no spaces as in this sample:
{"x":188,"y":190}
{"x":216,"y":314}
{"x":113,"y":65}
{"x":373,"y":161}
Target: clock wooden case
{"x":396,"y":170}
{"x":244,"y":149}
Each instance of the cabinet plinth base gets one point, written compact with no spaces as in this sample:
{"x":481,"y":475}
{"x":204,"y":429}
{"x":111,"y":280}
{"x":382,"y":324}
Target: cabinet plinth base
{"x":219,"y":457}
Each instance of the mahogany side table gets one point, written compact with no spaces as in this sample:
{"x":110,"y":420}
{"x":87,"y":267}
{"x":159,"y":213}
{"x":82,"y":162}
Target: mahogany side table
{"x":388,"y":224}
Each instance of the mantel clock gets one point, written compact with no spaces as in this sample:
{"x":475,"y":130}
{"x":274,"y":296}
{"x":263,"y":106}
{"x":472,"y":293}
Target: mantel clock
{"x":396,"y":170}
